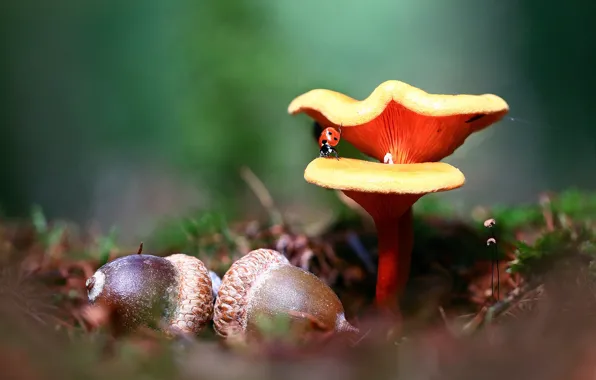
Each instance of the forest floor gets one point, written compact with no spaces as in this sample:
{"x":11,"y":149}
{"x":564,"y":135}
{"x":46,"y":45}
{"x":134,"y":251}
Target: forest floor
{"x":541,"y":325}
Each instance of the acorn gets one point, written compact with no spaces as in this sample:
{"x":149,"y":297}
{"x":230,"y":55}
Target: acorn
{"x":172,"y":293}
{"x":262,"y":286}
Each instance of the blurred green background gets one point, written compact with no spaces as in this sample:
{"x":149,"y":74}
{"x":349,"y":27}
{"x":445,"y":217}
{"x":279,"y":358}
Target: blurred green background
{"x":122,"y":112}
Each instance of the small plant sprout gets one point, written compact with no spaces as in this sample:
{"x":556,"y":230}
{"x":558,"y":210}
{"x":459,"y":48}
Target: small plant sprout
{"x":490,"y":223}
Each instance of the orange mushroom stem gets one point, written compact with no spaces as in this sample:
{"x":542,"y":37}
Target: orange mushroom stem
{"x":392,"y":214}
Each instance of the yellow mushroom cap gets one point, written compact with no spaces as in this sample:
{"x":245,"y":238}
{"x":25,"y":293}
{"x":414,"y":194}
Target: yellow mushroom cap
{"x":349,"y":174}
{"x":404,"y":121}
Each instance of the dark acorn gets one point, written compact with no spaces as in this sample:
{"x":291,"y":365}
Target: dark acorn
{"x":173,"y":292}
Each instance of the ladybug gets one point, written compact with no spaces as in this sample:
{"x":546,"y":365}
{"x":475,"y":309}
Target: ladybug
{"x":328,"y":139}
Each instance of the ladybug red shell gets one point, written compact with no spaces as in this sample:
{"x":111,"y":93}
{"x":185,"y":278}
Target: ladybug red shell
{"x":328,"y":139}
{"x":329,"y":136}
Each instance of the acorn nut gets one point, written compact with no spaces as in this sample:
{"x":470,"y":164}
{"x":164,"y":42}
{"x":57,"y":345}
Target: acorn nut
{"x":264,"y":285}
{"x":146,"y":290}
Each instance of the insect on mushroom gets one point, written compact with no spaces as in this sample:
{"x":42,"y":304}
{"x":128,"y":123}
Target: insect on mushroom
{"x":328,"y":140}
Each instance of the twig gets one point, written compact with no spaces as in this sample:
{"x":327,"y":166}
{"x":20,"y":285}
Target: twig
{"x":487,"y":314}
{"x":475,"y":322}
{"x":361,"y":338}
{"x":362,"y":253}
{"x":512,"y":299}
{"x":547,"y":212}
{"x":448,"y":325}
{"x":305,"y":258}
{"x":259,"y":189}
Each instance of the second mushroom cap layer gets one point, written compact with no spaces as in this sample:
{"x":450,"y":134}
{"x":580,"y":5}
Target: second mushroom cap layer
{"x":373,"y":177}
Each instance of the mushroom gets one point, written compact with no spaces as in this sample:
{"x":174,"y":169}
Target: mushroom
{"x":263,"y":286}
{"x":146,"y":290}
{"x":402,"y":124}
{"x":387,"y":193}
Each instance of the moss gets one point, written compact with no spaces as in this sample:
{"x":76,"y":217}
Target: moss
{"x":554,"y":248}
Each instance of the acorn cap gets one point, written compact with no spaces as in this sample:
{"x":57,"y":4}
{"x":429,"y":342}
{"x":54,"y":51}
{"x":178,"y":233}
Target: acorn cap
{"x":231,"y":306}
{"x":401,"y":120}
{"x":194,"y":306}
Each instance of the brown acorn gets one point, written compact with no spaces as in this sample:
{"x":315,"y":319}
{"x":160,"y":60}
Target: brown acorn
{"x":173,"y":292}
{"x":263,"y":285}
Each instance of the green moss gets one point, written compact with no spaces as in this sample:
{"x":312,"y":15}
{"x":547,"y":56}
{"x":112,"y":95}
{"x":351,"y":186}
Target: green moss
{"x":554,"y":248}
